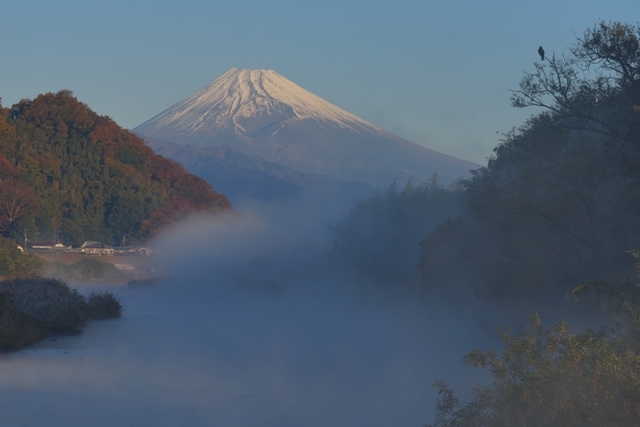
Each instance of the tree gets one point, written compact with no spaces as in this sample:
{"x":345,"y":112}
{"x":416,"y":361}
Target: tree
{"x":378,"y":236}
{"x":551,"y":377}
{"x":16,"y":199}
{"x":95,"y":180}
{"x":548,"y":378}
{"x":560,"y":198}
{"x":596,"y":88}
{"x":622,"y":299}
{"x":14,"y":262}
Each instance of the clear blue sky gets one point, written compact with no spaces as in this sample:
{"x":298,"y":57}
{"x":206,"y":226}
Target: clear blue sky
{"x":435,"y":72}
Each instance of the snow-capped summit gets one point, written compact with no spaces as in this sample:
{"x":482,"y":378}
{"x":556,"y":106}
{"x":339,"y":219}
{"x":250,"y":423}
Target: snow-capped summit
{"x":263,"y":113}
{"x":250,"y":100}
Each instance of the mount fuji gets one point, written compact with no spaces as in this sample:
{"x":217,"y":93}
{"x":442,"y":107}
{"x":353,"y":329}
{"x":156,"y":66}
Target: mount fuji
{"x":262,"y":113}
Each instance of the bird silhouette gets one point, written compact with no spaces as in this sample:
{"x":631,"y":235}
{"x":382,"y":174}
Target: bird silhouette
{"x":541,"y":52}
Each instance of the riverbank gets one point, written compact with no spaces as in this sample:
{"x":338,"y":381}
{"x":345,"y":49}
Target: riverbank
{"x":32,"y":309}
{"x":114,"y":269}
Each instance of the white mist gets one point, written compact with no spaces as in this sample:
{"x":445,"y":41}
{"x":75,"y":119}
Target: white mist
{"x":250,"y":329}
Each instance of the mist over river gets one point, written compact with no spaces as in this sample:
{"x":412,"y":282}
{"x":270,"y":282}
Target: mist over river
{"x":249,"y":329}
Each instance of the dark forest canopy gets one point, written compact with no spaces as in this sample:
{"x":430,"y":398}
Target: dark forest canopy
{"x":65,"y":169}
{"x":378,"y":237}
{"x":557,"y":204}
{"x":555,"y":213}
{"x":558,"y":211}
{"x":560,"y":199}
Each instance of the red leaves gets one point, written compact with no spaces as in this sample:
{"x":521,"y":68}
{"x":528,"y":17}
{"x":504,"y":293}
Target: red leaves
{"x":175,"y":209}
{"x":16,"y":199}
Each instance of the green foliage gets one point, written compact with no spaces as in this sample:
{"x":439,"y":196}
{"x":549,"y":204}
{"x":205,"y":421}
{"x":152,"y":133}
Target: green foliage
{"x":103,"y":305}
{"x":549,"y":378}
{"x":577,"y":166}
{"x":14,"y":262}
{"x":85,"y":269}
{"x":622,"y":299}
{"x":48,"y":302}
{"x":557,"y":205}
{"x":90,"y":268}
{"x":31,"y":309}
{"x":559,"y":200}
{"x":93,"y":180}
{"x":16,"y":329}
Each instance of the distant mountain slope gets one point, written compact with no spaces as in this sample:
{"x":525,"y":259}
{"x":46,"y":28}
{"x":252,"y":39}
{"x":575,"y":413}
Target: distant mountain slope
{"x":85,"y":178}
{"x":242,"y":176}
{"x":262,"y":113}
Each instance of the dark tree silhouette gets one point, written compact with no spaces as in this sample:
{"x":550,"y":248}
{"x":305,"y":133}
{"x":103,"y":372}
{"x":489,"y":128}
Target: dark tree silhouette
{"x":16,"y":199}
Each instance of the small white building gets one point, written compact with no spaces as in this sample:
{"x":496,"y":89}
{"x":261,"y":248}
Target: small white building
{"x":93,"y":247}
{"x":49,"y":246}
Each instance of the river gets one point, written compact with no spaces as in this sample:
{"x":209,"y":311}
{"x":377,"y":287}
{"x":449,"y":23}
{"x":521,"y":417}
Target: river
{"x":252,"y":330}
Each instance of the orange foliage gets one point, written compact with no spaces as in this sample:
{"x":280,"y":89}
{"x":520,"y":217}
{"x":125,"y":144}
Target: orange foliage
{"x":62,"y":125}
{"x":175,"y":209}
{"x":48,"y":110}
{"x":7,"y":169}
{"x":16,"y":199}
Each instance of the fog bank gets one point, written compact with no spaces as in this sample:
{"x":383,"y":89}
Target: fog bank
{"x":251,"y":327}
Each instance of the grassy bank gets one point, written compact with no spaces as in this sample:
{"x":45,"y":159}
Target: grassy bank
{"x":84,"y":268}
{"x":34,"y":308}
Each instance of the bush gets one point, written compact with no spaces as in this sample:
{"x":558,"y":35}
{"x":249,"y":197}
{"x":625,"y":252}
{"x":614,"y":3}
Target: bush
{"x":49,"y":302}
{"x":14,"y":262}
{"x":90,"y":268}
{"x":103,"y":305}
{"x":550,"y":378}
{"x":85,"y":269}
{"x":16,"y":329}
{"x":34,"y":308}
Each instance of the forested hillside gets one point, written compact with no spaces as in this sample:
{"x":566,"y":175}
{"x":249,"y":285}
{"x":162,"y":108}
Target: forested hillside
{"x":555,"y":214}
{"x":64,"y":169}
{"x":558,"y":202}
{"x":378,"y":237}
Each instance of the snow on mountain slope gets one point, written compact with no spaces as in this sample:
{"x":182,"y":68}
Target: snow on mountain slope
{"x":262,"y":113}
{"x":252,"y":100}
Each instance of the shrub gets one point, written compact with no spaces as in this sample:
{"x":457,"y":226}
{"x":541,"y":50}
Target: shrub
{"x":33,"y":308}
{"x":550,"y":378}
{"x":90,"y":268}
{"x":85,"y":269}
{"x":16,"y":329}
{"x":59,"y":267}
{"x":103,"y":305}
{"x":49,"y":302}
{"x":14,"y":262}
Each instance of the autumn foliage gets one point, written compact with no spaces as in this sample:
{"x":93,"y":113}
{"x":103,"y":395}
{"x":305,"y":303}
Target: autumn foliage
{"x":64,"y":168}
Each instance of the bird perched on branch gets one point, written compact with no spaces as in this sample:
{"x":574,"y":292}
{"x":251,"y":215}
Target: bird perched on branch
{"x":541,"y":52}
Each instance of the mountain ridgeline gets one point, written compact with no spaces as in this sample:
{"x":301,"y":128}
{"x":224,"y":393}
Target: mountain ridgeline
{"x":65,"y":171}
{"x":261,"y":113}
{"x":244,"y":178}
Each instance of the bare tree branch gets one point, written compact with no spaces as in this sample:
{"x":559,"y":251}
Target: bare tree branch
{"x":16,"y":199}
